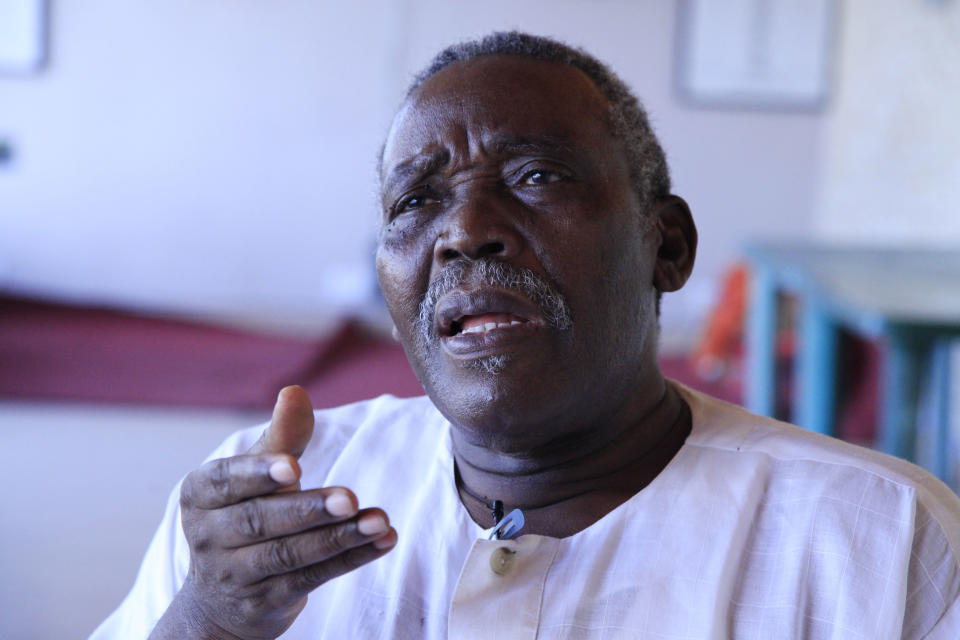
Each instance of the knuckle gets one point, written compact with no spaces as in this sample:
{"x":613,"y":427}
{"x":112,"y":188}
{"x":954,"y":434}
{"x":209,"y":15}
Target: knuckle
{"x":219,"y":479}
{"x":354,"y":559}
{"x":202,"y":545}
{"x":224,"y":575}
{"x":335,"y":539}
{"x":187,"y":491}
{"x":250,"y":521}
{"x":210,"y":485}
{"x":279,"y":557}
{"x":313,"y":576}
{"x":304,"y":511}
{"x":199,"y":538}
{"x":316,"y":574}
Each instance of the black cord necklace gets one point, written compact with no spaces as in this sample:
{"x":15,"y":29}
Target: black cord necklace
{"x":496,"y":507}
{"x":496,"y":510}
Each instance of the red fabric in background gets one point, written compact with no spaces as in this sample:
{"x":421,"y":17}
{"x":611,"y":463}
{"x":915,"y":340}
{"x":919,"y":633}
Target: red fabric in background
{"x":64,"y":352}
{"x":77,"y":353}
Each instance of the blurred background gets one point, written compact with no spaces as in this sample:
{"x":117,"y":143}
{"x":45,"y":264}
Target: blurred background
{"x":188,"y":217}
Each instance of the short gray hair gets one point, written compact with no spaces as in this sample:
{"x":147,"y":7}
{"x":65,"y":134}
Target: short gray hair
{"x":628,"y":119}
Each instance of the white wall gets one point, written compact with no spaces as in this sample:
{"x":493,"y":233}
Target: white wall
{"x":213,"y":156}
{"x":217,"y":157}
{"x":892,"y":152}
{"x":84,"y":490}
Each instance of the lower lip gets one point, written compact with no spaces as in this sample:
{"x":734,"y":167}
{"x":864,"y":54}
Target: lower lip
{"x":489,"y":343}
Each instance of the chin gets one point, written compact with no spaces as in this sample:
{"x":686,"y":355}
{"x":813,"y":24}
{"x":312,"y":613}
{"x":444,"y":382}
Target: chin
{"x":490,"y":365}
{"x":493,"y":398}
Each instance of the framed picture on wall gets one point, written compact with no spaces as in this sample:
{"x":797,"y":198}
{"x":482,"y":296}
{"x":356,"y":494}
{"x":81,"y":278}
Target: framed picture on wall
{"x":773,"y":54}
{"x":23,"y":35}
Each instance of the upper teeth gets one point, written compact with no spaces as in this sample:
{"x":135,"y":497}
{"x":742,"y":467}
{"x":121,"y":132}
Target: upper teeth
{"x":488,"y":326}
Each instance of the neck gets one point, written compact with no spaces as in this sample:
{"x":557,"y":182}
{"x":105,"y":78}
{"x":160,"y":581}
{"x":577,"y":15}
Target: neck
{"x":569,"y":483}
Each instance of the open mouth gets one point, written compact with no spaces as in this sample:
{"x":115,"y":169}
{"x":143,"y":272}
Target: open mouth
{"x":484,"y":323}
{"x":479,"y":313}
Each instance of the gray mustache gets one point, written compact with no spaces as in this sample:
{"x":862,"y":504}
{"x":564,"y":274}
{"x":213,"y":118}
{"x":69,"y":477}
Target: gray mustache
{"x":550,"y":302}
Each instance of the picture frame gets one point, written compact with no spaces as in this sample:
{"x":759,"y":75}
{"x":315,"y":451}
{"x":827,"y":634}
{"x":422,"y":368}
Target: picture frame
{"x":755,"y":54}
{"x":23,"y":36}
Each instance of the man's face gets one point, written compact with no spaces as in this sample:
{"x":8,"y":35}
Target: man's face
{"x":513,"y":257}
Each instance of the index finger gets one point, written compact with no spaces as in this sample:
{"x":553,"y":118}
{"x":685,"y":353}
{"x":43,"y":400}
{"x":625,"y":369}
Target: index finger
{"x":227,"y":481}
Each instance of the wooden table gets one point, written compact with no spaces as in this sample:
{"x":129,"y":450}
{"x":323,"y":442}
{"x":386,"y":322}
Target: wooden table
{"x":908,"y":299}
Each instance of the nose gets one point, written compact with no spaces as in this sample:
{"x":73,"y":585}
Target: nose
{"x":477,"y":228}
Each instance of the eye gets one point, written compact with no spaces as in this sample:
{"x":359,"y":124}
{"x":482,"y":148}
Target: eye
{"x":413,"y":201}
{"x":540,"y":177}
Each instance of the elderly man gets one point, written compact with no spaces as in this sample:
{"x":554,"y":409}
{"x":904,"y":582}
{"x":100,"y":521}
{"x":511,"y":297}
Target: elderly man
{"x":552,"y":484}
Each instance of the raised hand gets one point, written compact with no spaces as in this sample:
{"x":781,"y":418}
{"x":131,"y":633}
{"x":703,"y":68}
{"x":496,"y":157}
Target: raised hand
{"x":258,"y":545}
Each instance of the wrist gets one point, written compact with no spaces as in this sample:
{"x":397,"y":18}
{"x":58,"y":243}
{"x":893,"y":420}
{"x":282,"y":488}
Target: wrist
{"x":186,"y":619}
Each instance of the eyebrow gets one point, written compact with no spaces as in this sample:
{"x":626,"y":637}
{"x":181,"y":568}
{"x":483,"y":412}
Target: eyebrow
{"x":416,"y":168}
{"x":423,"y":164}
{"x":521,"y":145}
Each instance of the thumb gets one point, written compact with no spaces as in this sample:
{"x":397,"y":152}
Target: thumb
{"x":291,"y":425}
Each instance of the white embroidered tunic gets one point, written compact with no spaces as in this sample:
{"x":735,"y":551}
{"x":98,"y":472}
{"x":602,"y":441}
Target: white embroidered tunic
{"x":756,"y":529}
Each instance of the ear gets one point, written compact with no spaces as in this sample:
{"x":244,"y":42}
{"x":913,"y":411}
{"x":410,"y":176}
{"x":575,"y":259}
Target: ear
{"x":678,"y":243}
{"x":395,"y":333}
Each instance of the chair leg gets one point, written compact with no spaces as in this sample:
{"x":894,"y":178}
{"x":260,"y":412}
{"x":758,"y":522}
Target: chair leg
{"x":761,"y":343}
{"x":815,"y":381}
{"x":905,"y":357}
{"x":940,"y":408}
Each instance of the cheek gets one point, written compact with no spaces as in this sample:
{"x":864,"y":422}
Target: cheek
{"x":614,"y":272}
{"x":403,"y":277}
{"x":404,"y":232}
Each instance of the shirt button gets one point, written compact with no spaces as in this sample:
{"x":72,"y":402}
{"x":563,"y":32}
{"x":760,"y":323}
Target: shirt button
{"x":500,"y":560}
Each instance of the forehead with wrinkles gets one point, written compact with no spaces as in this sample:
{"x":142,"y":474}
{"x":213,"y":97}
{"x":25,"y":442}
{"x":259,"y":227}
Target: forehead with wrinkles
{"x":495,"y":103}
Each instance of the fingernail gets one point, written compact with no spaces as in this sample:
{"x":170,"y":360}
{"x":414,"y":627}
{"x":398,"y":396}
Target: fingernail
{"x":339,"y":504}
{"x":282,"y":472}
{"x":371,"y":525}
{"x":386,"y":541}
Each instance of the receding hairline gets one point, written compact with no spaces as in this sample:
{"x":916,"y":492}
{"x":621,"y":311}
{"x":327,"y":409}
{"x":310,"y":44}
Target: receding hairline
{"x":628,"y":119}
{"x":415,"y":89}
